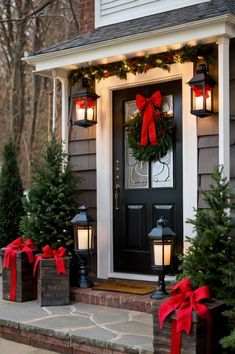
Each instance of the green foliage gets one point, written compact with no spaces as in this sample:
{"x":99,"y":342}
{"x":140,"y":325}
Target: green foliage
{"x":210,"y":251}
{"x":210,"y":259}
{"x":164,"y":129}
{"x":50,"y":204}
{"x":139,"y":65}
{"x":11,"y":193}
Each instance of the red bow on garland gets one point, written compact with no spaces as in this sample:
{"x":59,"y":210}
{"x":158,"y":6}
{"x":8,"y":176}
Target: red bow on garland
{"x":10,"y":259}
{"x":58,"y":254}
{"x":148,"y":105}
{"x":185,"y":300}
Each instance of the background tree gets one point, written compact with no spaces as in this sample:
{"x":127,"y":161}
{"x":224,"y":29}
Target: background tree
{"x":50,"y":204}
{"x":28,"y":26}
{"x":11,"y":193}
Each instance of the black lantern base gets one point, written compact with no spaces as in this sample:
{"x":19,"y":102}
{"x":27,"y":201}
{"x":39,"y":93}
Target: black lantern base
{"x":160,"y":292}
{"x":85,"y":123}
{"x":84,"y":281}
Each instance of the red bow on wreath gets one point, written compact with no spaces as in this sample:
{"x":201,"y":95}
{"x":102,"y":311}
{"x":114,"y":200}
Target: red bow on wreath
{"x":10,"y":259}
{"x":148,"y":106}
{"x":185,"y":300}
{"x":58,"y":254}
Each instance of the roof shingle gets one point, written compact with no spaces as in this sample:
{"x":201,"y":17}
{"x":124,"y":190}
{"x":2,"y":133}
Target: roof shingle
{"x":213,"y":8}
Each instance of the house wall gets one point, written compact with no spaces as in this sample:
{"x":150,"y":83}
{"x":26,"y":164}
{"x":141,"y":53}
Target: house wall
{"x":84,"y":11}
{"x":82,"y":149}
{"x":113,"y":11}
{"x":82,"y":159}
{"x":208,"y":140}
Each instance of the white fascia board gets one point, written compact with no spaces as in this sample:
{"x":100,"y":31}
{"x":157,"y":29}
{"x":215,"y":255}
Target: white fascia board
{"x":205,"y":30}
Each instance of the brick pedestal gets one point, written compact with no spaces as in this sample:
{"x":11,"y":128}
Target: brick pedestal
{"x":25,"y":284}
{"x":195,"y":343}
{"x":53,"y":288}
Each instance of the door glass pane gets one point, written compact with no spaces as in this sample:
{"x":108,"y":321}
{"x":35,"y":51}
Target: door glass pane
{"x":136,"y":172}
{"x":162,"y":172}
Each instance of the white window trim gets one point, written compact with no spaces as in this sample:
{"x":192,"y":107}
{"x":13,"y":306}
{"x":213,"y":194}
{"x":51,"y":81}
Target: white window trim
{"x":141,"y":10}
{"x":104,"y":88}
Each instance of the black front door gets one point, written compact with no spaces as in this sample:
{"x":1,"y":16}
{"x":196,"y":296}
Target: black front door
{"x":143,"y":192}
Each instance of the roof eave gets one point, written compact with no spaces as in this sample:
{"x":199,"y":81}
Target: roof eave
{"x":207,"y":30}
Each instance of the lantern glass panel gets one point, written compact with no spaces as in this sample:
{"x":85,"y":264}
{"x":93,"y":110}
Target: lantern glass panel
{"x":85,"y":238}
{"x":84,"y":108}
{"x":162,"y":252}
{"x":202,"y":98}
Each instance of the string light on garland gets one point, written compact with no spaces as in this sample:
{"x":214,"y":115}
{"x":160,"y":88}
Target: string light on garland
{"x":139,"y":65}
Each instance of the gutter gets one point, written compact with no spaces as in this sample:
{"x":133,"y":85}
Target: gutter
{"x":228,"y":20}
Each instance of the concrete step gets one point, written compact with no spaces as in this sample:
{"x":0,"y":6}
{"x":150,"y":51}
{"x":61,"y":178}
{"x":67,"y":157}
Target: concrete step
{"x":142,"y":303}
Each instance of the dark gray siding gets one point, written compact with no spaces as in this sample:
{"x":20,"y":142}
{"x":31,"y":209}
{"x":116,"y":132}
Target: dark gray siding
{"x":82,"y":158}
{"x":208,"y":151}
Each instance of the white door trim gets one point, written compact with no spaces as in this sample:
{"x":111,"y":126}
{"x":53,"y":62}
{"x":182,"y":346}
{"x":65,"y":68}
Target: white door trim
{"x":104,"y":88}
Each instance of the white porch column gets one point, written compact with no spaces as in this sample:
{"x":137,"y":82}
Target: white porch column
{"x":224,"y":105}
{"x":64,"y":114}
{"x":54,"y":103}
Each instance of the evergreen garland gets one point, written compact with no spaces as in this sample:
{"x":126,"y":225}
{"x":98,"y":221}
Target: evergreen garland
{"x":11,"y":193}
{"x":164,"y":129}
{"x":50,"y":204}
{"x":139,"y":65}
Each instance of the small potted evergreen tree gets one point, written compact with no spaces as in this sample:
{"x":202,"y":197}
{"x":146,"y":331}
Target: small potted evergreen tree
{"x":49,"y":208}
{"x":210,"y":258}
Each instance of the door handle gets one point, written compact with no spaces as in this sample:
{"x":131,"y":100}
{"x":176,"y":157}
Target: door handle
{"x":117,"y":196}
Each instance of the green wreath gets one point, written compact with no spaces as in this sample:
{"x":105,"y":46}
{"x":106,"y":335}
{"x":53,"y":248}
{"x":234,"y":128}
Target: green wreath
{"x":164,"y":128}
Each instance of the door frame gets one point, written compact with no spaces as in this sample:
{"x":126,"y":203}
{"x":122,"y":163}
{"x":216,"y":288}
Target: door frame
{"x":104,"y":149}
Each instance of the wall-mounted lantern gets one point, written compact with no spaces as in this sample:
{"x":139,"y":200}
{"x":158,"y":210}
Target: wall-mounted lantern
{"x":161,"y":247}
{"x":84,"y":229}
{"x":85,"y":113}
{"x":202,"y":86}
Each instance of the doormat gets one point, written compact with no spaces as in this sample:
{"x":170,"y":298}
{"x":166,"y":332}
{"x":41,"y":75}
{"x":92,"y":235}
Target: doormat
{"x":124,"y":287}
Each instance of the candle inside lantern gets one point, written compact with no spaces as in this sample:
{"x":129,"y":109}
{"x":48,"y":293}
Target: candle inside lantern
{"x":84,"y":238}
{"x":158,"y":256}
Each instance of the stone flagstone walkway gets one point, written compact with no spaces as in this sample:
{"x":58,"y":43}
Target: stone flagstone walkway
{"x":77,"y":328}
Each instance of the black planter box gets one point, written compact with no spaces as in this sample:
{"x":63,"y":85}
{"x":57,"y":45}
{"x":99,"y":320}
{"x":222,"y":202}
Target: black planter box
{"x":196,"y":341}
{"x":25,"y":283}
{"x":53,"y":288}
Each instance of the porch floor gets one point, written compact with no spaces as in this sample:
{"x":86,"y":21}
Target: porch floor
{"x":109,"y":323}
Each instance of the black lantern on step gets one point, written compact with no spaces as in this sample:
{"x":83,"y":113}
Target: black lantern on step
{"x":84,"y":228}
{"x":85,"y":112}
{"x":202,"y":86}
{"x":161,"y":247}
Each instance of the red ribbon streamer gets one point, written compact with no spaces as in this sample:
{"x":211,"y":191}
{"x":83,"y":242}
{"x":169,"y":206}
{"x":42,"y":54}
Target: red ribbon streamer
{"x":148,"y":106}
{"x":58,"y":254}
{"x":186,"y":300}
{"x":9,"y":260}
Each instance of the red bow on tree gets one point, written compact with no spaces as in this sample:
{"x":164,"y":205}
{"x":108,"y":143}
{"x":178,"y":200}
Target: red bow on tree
{"x":185,"y":300}
{"x":58,"y":254}
{"x":10,"y":259}
{"x":148,"y":106}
